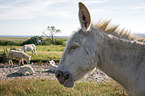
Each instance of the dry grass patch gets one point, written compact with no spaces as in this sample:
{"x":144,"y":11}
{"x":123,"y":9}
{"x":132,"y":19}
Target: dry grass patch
{"x":46,"y":87}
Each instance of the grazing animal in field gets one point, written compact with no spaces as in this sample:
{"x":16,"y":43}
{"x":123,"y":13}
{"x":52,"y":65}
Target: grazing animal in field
{"x":24,"y":69}
{"x":29,"y":47}
{"x":116,"y":53}
{"x":18,"y":55}
{"x":52,"y":66}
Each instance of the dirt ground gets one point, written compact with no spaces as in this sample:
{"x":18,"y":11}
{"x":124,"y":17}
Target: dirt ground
{"x":43,"y":71}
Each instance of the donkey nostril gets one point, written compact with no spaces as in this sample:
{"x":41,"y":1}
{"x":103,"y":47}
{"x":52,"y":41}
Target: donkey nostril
{"x":58,"y":74}
{"x":66,"y":77}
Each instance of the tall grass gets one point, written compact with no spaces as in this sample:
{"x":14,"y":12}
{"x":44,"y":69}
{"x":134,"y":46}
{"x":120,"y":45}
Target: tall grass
{"x":46,"y":87}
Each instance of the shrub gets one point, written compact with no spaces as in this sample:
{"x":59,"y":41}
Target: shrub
{"x":46,"y":41}
{"x":33,"y":40}
{"x":3,"y":55}
{"x":59,"y":42}
{"x":13,"y":48}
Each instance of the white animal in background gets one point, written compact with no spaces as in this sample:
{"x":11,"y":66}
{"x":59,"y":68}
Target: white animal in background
{"x":24,"y":69}
{"x":52,"y":66}
{"x":29,"y":47}
{"x":52,"y":62}
{"x":18,"y":55}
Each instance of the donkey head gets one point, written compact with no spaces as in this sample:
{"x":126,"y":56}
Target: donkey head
{"x":79,"y":56}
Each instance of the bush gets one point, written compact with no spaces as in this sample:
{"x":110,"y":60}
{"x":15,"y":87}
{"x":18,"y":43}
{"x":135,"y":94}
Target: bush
{"x":13,"y":48}
{"x":46,"y":42}
{"x":33,"y":40}
{"x":59,"y":42}
{"x":3,"y":55}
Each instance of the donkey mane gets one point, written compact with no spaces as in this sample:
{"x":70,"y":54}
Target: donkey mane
{"x":113,"y":30}
{"x":109,"y":28}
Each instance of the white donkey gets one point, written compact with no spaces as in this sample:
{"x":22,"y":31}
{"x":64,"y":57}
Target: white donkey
{"x":29,"y":47}
{"x":18,"y":55}
{"x":119,"y":57}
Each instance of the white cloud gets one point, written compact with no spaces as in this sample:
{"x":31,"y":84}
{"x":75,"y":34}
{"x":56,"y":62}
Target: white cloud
{"x":96,"y":1}
{"x":4,"y":7}
{"x":63,"y":14}
{"x":18,"y":10}
{"x":28,"y":9}
{"x":138,"y":7}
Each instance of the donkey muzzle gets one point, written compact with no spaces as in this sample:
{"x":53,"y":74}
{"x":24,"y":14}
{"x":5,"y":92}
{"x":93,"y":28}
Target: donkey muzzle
{"x":64,"y":78}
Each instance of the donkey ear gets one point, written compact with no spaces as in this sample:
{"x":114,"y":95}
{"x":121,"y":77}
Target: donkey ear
{"x":84,"y":17}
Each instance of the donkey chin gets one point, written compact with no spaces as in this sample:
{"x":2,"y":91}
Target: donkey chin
{"x":65,"y":79}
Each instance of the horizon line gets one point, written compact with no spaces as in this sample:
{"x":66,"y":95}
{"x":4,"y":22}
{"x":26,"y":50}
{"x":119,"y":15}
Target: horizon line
{"x":27,"y":36}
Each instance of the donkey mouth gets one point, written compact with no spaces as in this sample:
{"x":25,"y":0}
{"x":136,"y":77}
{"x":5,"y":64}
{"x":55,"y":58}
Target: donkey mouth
{"x":65,"y":79}
{"x":68,"y":83}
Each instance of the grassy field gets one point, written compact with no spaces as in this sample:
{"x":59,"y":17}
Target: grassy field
{"x":43,"y":52}
{"x":45,"y":87}
{"x":19,"y":41}
{"x":26,"y":38}
{"x":15,"y":38}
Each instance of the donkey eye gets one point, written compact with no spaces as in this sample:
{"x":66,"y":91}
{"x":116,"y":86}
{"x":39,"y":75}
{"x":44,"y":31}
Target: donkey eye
{"x":73,"y":47}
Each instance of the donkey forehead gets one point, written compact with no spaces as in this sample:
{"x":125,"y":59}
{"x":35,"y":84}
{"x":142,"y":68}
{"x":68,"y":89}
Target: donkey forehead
{"x":79,"y":37}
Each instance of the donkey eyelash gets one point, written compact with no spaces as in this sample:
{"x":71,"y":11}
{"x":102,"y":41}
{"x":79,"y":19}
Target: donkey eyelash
{"x":73,"y":47}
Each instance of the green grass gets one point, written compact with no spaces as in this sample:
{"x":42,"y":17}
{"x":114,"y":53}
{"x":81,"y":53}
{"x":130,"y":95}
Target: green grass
{"x":43,"y":52}
{"x":46,"y":87}
{"x":48,"y":52}
{"x":50,"y":48}
{"x":15,"y":38}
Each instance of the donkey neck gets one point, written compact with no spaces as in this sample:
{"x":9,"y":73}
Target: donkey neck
{"x":119,"y":58}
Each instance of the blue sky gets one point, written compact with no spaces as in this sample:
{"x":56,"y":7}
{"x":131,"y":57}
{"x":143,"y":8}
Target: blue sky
{"x":31,"y":17}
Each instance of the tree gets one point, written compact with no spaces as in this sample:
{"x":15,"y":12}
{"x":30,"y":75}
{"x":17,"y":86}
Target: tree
{"x":52,"y":31}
